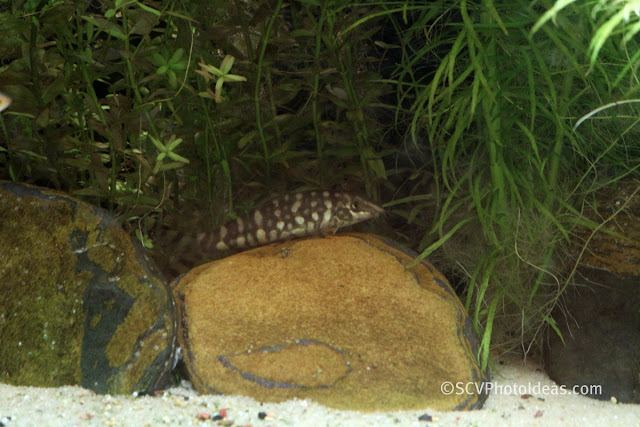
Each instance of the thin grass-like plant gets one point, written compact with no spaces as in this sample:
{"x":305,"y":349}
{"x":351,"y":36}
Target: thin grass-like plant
{"x":499,"y":112}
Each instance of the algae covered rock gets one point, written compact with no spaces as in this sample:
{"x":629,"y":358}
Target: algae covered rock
{"x":79,"y":302}
{"x":338,"y":320}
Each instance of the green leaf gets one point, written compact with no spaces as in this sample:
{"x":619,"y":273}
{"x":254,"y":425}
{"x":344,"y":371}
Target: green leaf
{"x":551,"y":14}
{"x":603,"y":33}
{"x":158,"y":59}
{"x":205,"y":95}
{"x":181,"y":16}
{"x":437,"y":244}
{"x":386,"y":45}
{"x":173,"y":144}
{"x":173,"y":80}
{"x":246,"y":138}
{"x":554,"y":326}
{"x":177,"y":157}
{"x":177,"y":55}
{"x":219,"y":90}
{"x":227,"y":63}
{"x":172,"y":165}
{"x":148,"y":9}
{"x":378,"y":168}
{"x":157,"y":143}
{"x":234,"y":78}
{"x":211,"y":69}
{"x":145,"y":241}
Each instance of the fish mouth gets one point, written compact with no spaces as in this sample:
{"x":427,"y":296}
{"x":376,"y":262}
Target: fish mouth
{"x":377,"y":210}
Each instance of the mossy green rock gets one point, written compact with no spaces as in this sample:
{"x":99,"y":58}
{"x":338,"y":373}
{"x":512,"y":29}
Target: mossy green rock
{"x":80,"y":304}
{"x":338,"y":320}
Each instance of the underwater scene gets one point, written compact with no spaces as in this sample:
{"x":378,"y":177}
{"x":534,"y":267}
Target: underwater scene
{"x":385,"y":209}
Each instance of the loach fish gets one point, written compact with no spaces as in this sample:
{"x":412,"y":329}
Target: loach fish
{"x":5,"y":101}
{"x":309,"y":213}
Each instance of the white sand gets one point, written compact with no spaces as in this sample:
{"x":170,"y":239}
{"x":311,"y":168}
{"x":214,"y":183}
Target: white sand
{"x":74,"y":406}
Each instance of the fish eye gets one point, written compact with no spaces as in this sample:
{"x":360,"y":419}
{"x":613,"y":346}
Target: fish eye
{"x":355,"y":205}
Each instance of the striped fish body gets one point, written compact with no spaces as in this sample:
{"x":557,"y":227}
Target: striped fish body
{"x":309,"y":213}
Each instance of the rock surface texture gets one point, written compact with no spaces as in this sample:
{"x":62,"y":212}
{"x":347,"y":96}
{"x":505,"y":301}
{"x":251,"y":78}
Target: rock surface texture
{"x":79,"y":302}
{"x":338,"y":320}
{"x":601,"y":332}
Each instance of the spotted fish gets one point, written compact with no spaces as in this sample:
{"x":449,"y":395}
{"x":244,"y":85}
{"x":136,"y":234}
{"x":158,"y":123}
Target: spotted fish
{"x":309,"y":213}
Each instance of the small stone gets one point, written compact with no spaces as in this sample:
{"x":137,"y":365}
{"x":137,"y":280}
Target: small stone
{"x":203,"y":416}
{"x":425,"y":417}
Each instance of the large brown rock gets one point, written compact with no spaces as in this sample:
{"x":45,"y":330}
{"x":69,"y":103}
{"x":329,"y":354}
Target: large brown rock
{"x":80,"y":304}
{"x":338,"y":320}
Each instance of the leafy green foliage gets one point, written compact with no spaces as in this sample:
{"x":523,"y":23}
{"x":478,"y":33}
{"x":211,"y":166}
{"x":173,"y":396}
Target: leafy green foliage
{"x":511,"y":175}
{"x":178,"y":114}
{"x":166,"y":152}
{"x":220,"y":76}
{"x":170,"y":65}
